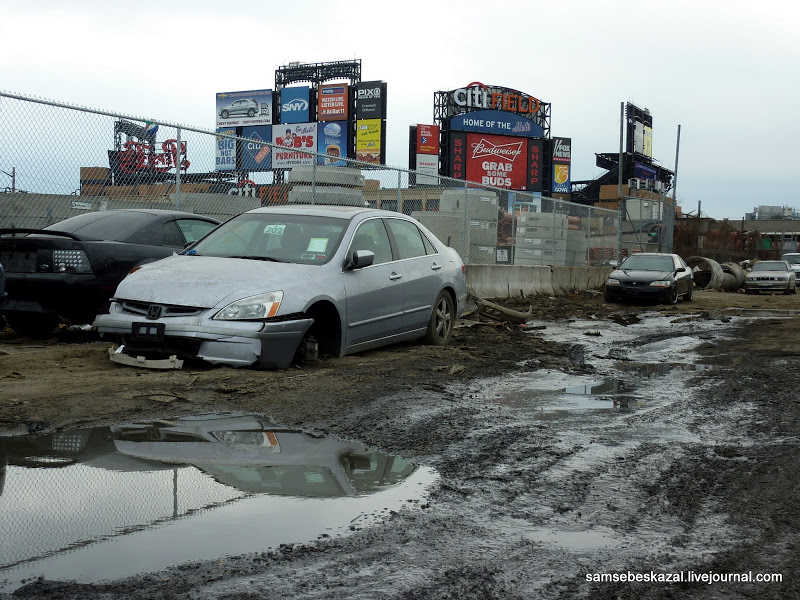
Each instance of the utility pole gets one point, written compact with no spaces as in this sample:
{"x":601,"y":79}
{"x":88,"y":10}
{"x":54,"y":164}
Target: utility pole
{"x":619,"y":183}
{"x":13,"y":176}
{"x":697,"y":253}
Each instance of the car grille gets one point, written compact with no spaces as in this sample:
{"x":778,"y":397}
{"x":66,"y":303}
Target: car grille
{"x":166,"y":310}
{"x":766,"y":278}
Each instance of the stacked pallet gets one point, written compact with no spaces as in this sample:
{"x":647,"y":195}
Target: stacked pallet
{"x":466,"y":222}
{"x":540,"y":239}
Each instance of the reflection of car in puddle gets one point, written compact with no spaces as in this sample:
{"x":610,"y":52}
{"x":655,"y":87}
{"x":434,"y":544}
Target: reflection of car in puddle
{"x":253,"y":455}
{"x":111,"y":502}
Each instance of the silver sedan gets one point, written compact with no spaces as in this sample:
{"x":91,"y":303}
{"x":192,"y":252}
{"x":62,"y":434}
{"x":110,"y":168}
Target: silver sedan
{"x":280,"y":284}
{"x":771,"y":276}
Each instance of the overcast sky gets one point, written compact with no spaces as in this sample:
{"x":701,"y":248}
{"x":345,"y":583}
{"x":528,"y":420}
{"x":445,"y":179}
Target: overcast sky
{"x":725,"y":71}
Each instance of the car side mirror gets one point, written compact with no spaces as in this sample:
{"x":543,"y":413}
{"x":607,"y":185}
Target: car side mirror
{"x":360,"y":259}
{"x":680,"y":270}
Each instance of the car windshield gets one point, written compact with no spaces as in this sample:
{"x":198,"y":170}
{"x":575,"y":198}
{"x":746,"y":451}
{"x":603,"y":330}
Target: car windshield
{"x":647,"y":263}
{"x":770,"y":265}
{"x":792,"y":259}
{"x":304,"y":239}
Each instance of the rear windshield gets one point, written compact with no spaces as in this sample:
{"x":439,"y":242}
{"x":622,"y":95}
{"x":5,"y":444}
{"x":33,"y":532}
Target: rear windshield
{"x":304,"y":239}
{"x":104,"y":225}
{"x":648,"y":263}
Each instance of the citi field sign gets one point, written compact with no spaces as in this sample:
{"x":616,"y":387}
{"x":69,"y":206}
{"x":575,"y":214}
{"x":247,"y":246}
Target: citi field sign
{"x":477,"y":96}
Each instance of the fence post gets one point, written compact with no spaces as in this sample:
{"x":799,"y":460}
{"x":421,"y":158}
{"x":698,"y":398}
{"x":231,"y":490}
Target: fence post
{"x":399,"y":195}
{"x":314,"y":180}
{"x":464,"y":227}
{"x":179,"y":160}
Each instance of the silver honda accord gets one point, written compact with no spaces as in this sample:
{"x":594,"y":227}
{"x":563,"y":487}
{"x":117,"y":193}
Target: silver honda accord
{"x":281,"y":284}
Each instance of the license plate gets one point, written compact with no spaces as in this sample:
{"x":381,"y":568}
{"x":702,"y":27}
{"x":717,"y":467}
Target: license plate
{"x":147,"y":332}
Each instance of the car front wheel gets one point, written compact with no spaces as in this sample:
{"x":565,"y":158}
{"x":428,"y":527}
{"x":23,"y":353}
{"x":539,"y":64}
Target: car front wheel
{"x":673,"y":294}
{"x":224,"y":114}
{"x":440,"y":326}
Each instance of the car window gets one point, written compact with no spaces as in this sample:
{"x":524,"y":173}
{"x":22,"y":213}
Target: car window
{"x":372,"y":235}
{"x":104,"y":225}
{"x":407,"y":237}
{"x":158,"y":234}
{"x":194,"y":229}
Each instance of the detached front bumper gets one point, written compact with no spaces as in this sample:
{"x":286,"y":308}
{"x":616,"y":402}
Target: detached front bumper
{"x":266,"y":344}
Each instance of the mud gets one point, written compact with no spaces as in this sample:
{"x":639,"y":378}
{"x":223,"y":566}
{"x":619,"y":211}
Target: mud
{"x":689,"y":470}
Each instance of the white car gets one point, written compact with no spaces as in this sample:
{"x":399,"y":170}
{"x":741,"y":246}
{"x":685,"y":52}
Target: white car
{"x":290,"y":282}
{"x":793,"y":258}
{"x":771,"y":276}
{"x":245,"y":106}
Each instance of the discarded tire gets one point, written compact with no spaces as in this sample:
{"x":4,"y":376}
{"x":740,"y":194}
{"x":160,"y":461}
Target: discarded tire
{"x":707,"y":273}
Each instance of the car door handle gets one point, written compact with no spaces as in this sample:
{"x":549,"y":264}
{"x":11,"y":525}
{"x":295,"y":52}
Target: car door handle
{"x":394,"y":276}
{"x":436,"y":266}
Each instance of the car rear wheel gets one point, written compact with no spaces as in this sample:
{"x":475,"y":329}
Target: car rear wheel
{"x":33,"y":325}
{"x":440,"y":326}
{"x":690,"y":294}
{"x":251,"y":112}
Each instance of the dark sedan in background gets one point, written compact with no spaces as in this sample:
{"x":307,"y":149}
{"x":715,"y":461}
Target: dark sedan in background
{"x":650,"y":276}
{"x":68,"y":271}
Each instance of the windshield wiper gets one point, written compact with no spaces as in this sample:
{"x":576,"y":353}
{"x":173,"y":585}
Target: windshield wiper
{"x":255,"y":257}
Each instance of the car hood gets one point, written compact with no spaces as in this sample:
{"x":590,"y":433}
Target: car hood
{"x":206,"y":281}
{"x":638,"y":275}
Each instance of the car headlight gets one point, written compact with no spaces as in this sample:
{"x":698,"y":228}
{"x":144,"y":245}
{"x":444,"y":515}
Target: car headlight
{"x":612,"y":282}
{"x":71,"y":261}
{"x":661,"y":283}
{"x":254,"y":307}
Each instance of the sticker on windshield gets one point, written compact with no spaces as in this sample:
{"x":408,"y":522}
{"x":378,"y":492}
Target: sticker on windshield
{"x":274,"y":229}
{"x":317,"y":245}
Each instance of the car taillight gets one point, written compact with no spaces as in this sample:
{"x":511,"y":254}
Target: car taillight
{"x":464,"y":269}
{"x":71,"y":261}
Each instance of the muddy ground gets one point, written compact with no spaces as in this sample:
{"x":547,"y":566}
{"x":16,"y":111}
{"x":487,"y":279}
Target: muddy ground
{"x":717,"y":497}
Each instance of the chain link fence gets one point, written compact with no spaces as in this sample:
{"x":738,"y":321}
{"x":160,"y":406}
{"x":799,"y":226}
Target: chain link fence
{"x":59,"y":161}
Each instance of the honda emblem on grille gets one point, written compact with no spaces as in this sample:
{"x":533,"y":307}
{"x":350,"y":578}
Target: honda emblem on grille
{"x":154,"y":311}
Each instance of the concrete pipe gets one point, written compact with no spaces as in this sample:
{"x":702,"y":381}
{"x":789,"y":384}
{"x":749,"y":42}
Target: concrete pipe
{"x":707,"y":273}
{"x":734,"y":270}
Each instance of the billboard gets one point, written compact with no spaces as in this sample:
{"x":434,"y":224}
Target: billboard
{"x":290,"y":140}
{"x":427,"y":139}
{"x":333,"y":102}
{"x":496,"y":122}
{"x":497,"y":161}
{"x":561,"y":159}
{"x":333,"y":142}
{"x":253,"y":107}
{"x":643,"y":139}
{"x":427,"y":168}
{"x":369,"y":134}
{"x":295,"y":104}
{"x":226,"y":151}
{"x":371,"y":100}
{"x":256,"y":154}
{"x":535,"y":156}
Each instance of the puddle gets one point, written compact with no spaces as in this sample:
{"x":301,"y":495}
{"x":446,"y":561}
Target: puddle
{"x":111,"y":502}
{"x":579,"y":540}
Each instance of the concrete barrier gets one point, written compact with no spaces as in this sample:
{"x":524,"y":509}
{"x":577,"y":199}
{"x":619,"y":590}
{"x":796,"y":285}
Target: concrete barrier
{"x":512,"y":281}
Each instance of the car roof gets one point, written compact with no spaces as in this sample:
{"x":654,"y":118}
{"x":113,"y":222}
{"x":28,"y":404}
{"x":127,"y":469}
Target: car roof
{"x":651,"y":254}
{"x":325,"y":210}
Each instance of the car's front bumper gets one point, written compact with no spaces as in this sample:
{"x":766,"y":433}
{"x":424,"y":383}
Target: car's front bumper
{"x":267,"y":344}
{"x":766,"y":286}
{"x":643,"y":291}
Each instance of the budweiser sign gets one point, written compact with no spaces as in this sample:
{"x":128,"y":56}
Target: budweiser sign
{"x":508,"y":151}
